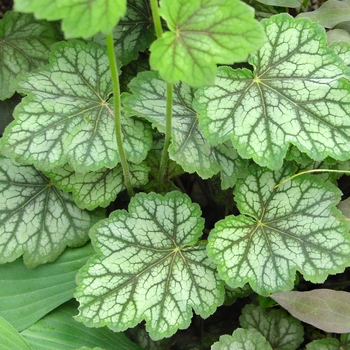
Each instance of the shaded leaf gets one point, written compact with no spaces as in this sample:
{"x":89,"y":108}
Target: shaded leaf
{"x":68,"y":116}
{"x":6,"y":111}
{"x":59,"y":331}
{"x":10,"y":339}
{"x":325,"y":344}
{"x":202,"y":34}
{"x":292,"y":228}
{"x":97,"y":188}
{"x":325,"y":309}
{"x":294,"y":96}
{"x":79,"y":18}
{"x":24,"y":46}
{"x":242,"y":339}
{"x":283,"y":3}
{"x":36,"y":219}
{"x":331,"y":13}
{"x":282,"y":331}
{"x":148,"y":267}
{"x":134,"y":32}
{"x":27,"y":295}
{"x":188,"y":146}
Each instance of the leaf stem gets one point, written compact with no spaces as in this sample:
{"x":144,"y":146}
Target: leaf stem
{"x":117,"y":115}
{"x":169,"y":104}
{"x":309,"y":172}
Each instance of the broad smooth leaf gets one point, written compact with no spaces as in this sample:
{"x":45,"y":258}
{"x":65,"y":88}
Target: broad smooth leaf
{"x":36,"y":219}
{"x":294,"y":227}
{"x":331,"y":13}
{"x":59,"y":331}
{"x":242,"y":339}
{"x":79,"y":18}
{"x":282,"y":331}
{"x":202,"y":34}
{"x":24,"y":46}
{"x":10,"y":339}
{"x":149,"y":267}
{"x":96,"y":188}
{"x":28,"y":295}
{"x":134,"y":32}
{"x":294,"y":96}
{"x":68,"y":116}
{"x":188,"y":146}
{"x":325,"y":309}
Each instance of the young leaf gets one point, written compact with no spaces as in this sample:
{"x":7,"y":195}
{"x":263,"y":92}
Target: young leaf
{"x":79,"y":18}
{"x":134,"y":32}
{"x":68,"y":116}
{"x":59,"y":331}
{"x":96,"y":188}
{"x":188,"y":147}
{"x":242,"y":339}
{"x":36,"y":219}
{"x":325,"y":309}
{"x":24,"y":46}
{"x":202,"y":34}
{"x":28,"y":295}
{"x":282,"y":331}
{"x":149,"y":268}
{"x":10,"y":339}
{"x":292,"y":97}
{"x":292,"y":228}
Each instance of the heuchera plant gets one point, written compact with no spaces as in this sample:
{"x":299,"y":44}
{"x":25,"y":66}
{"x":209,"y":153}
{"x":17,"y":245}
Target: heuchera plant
{"x":120,"y":103}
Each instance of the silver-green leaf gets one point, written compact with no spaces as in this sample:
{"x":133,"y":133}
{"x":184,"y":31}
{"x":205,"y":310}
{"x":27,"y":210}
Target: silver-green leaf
{"x":294,"y":227}
{"x":149,"y":267}
{"x":68,"y":116}
{"x":36,"y":219}
{"x":293,"y":96}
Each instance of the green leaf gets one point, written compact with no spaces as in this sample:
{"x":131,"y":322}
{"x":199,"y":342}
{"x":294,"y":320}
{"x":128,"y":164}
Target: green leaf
{"x":36,"y":219}
{"x":342,"y":49}
{"x":97,"y":188}
{"x":188,"y":146}
{"x":149,"y":267}
{"x":134,"y":32}
{"x":283,"y":3}
{"x":79,"y":18}
{"x":27,"y":295}
{"x":283,"y":332}
{"x":325,"y":309}
{"x":202,"y":34}
{"x":68,"y":116}
{"x":24,"y":46}
{"x":10,"y":339}
{"x":331,"y":13}
{"x":294,"y":227}
{"x":59,"y":331}
{"x":325,"y":344}
{"x":292,"y":97}
{"x":242,"y":339}
{"x":338,"y":35}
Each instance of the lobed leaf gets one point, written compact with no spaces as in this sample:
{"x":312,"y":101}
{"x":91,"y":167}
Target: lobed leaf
{"x":292,"y":228}
{"x":242,"y":339}
{"x":24,"y":46}
{"x":282,"y":331}
{"x":36,"y":219}
{"x":188,"y":147}
{"x":97,"y":188}
{"x":149,"y":267}
{"x":79,"y":18}
{"x":294,"y":96}
{"x":202,"y":34}
{"x":134,"y":32}
{"x":325,"y":309}
{"x":68,"y":116}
